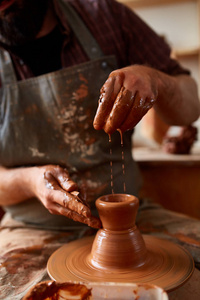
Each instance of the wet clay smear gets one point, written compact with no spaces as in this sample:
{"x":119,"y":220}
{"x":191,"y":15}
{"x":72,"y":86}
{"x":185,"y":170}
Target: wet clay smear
{"x":57,"y":291}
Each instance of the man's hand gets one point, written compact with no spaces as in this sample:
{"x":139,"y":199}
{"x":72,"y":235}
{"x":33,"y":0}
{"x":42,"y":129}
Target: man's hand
{"x":130,"y":92}
{"x":125,"y":98}
{"x":52,"y":185}
{"x":59,"y":194}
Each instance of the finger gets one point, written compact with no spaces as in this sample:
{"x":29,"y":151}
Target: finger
{"x":105,"y":103}
{"x":138,"y":110}
{"x":79,"y":198}
{"x":50,"y":181}
{"x":94,"y":222}
{"x":107,"y":98}
{"x":64,"y":179}
{"x":90,"y":221}
{"x":63,"y":198}
{"x":120,"y":110}
{"x":71,"y":202}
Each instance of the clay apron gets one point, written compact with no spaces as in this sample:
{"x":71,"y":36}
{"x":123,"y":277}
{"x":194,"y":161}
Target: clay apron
{"x":48,"y":120}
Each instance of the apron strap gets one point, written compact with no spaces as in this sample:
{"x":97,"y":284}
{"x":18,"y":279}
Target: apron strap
{"x":84,"y":36}
{"x":7,"y":72}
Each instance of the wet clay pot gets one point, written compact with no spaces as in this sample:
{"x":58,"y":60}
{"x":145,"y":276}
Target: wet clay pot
{"x":119,"y":245}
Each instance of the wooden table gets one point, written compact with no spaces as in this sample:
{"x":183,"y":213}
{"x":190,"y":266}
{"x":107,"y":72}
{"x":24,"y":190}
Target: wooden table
{"x":171,"y":180}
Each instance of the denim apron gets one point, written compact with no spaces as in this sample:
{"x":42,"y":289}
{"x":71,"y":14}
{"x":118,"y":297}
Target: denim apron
{"x":48,"y":119}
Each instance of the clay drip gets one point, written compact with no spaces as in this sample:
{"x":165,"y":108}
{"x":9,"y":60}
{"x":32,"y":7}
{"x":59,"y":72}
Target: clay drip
{"x":119,"y":245}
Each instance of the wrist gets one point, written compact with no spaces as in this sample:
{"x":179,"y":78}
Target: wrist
{"x":25,"y":181}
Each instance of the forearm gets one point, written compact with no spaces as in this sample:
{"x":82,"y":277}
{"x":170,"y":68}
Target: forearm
{"x":177,"y":102}
{"x":52,"y":185}
{"x":15,"y":185}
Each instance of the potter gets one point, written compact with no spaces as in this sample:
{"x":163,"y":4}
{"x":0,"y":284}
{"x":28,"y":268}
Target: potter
{"x":55,"y":56}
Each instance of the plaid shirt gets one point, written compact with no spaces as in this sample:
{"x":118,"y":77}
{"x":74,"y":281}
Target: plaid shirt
{"x":118,"y":30}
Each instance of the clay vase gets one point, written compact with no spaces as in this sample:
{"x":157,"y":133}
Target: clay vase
{"x":119,"y":245}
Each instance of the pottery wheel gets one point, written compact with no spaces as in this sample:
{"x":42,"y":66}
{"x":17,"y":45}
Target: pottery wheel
{"x":168,"y":265}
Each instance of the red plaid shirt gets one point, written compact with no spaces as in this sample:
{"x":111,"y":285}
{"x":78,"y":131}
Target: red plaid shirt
{"x":119,"y":31}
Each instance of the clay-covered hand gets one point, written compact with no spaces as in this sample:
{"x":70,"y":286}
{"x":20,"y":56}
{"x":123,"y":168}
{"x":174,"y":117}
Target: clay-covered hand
{"x":59,"y":194}
{"x":125,"y":98}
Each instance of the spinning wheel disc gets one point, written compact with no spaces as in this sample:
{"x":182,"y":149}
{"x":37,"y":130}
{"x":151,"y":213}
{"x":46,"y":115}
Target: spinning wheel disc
{"x":168,"y":265}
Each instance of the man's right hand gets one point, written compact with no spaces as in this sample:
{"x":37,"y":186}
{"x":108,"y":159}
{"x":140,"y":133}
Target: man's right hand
{"x":52,"y":185}
{"x":59,"y":194}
